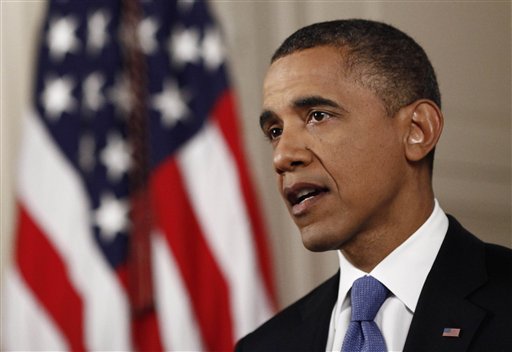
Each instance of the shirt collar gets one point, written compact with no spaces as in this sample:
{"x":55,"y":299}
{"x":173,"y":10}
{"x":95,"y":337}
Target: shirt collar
{"x":404,"y":270}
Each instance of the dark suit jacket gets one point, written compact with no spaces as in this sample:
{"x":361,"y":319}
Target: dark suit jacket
{"x":469,"y":287}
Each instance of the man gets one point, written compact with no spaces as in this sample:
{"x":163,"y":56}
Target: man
{"x":353,"y":112}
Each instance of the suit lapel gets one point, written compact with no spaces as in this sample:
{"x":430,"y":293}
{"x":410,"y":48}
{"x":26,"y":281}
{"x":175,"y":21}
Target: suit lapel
{"x":459,"y":269}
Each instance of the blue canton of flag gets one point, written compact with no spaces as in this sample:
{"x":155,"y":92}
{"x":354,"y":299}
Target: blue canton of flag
{"x":83,"y":95}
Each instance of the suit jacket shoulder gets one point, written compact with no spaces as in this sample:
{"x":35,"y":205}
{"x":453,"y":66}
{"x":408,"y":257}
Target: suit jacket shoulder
{"x":303,"y":326}
{"x":469,"y":288}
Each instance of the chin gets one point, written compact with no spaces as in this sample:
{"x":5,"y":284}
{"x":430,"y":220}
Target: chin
{"x":316,"y":240}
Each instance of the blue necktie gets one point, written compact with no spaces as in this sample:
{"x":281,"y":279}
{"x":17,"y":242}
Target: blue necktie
{"x":363,"y":334}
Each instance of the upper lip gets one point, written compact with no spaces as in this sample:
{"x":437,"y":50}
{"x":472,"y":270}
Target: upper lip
{"x":297,"y":192}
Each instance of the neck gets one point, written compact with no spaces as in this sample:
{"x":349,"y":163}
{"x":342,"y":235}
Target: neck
{"x":369,"y":247}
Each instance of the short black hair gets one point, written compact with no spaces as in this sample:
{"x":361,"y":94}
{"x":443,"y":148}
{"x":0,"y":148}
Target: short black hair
{"x":380,"y":57}
{"x":384,"y":58}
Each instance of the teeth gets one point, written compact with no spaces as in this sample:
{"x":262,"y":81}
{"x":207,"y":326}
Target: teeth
{"x":305,"y":192}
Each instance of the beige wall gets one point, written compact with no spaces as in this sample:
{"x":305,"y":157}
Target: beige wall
{"x":469,"y":44}
{"x":18,"y":28}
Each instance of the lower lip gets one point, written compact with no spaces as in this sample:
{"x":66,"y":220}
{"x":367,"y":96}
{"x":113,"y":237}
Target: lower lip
{"x":303,"y":207}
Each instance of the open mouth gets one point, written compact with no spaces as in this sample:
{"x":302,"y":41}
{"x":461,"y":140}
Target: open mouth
{"x":300,"y":193}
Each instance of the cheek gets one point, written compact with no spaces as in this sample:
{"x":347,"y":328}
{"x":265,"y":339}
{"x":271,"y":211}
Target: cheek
{"x":377,"y":146}
{"x":362,"y":163}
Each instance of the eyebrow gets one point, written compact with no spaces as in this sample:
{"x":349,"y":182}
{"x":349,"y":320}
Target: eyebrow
{"x":315,"y":100}
{"x":268,"y":116}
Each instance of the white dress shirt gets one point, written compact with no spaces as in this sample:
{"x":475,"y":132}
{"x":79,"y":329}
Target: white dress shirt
{"x":403,"y":272}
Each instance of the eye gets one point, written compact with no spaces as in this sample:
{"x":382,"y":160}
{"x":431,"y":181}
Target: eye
{"x":274,"y":132}
{"x":317,"y":116}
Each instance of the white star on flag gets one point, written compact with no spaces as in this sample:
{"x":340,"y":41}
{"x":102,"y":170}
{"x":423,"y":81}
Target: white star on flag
{"x":212,"y":49}
{"x":171,"y":103}
{"x":111,"y":216}
{"x":120,"y":96}
{"x":61,"y":37}
{"x":57,"y":98}
{"x":184,"y":46}
{"x":93,"y":98}
{"x":97,"y":31}
{"x":147,"y":35}
{"x":116,"y":156}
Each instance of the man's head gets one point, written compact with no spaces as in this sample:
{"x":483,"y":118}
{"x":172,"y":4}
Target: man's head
{"x":352,"y":111}
{"x":377,"y":55}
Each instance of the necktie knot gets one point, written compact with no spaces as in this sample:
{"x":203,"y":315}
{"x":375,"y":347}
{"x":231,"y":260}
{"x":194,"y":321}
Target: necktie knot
{"x":363,"y":334}
{"x":367,"y":297}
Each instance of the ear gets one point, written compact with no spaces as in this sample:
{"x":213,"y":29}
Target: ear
{"x":425,"y":124}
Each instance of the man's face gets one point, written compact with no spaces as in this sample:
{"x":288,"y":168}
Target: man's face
{"x":338,"y":157}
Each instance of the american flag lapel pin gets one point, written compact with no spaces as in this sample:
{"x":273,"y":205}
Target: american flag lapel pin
{"x":451,"y":332}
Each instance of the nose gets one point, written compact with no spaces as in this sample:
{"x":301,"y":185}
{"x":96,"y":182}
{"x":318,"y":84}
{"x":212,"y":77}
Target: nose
{"x":291,"y":152}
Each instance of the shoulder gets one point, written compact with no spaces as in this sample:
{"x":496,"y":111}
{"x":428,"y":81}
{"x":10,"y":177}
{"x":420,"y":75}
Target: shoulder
{"x":496,"y":259}
{"x":496,"y":294}
{"x":499,"y":259}
{"x":490,"y":262}
{"x":285,"y":330}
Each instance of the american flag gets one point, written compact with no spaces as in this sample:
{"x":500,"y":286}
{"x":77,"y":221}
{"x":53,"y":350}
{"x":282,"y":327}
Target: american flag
{"x":451,"y":332}
{"x":138,"y":227}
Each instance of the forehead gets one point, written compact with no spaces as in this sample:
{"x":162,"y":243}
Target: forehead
{"x":316,"y":64}
{"x":315,"y":72}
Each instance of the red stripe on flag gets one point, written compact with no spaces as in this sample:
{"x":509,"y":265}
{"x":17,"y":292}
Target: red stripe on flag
{"x":146,"y":334}
{"x":122,"y":276}
{"x":45,"y":273}
{"x":202,"y":277}
{"x":224,"y":113}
